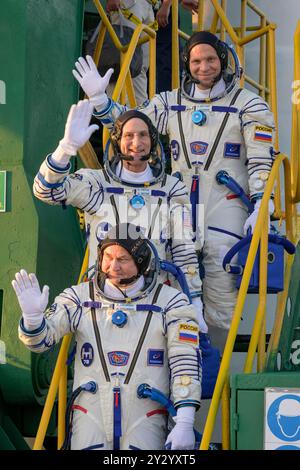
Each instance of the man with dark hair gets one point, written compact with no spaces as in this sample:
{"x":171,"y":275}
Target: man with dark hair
{"x":213,"y":125}
{"x":130,"y":330}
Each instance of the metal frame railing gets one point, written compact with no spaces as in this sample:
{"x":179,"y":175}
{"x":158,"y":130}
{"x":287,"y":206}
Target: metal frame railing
{"x":257,"y":341}
{"x":295,"y":140}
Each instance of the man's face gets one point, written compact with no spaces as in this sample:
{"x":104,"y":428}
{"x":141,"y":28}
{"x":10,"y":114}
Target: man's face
{"x":135,"y":142}
{"x":118,"y":264}
{"x":204,"y":65}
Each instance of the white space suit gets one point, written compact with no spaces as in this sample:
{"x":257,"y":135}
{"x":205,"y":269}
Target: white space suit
{"x":114,"y":415}
{"x":237,"y":137}
{"x":143,"y":11}
{"x":162,"y":210}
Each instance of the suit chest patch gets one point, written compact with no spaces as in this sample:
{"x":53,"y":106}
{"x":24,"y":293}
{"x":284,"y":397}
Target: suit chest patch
{"x":232,"y":150}
{"x":118,"y":358}
{"x":155,"y":357}
{"x":87,"y":354}
{"x":198,"y":147}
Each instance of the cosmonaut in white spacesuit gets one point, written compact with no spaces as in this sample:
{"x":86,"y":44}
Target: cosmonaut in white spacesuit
{"x":129,"y":330}
{"x":213,"y":125}
{"x":132,"y":187}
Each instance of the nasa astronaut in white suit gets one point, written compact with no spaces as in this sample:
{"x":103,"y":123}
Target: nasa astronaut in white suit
{"x":130,"y":330}
{"x":132,"y":187}
{"x":213,"y":125}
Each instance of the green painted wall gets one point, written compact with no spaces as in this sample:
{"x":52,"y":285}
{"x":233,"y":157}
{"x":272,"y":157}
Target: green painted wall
{"x":247,"y":406}
{"x":39,"y":41}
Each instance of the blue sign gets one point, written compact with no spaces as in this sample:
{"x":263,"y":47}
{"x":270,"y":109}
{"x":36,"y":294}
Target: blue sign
{"x":284,"y":418}
{"x":155,"y":357}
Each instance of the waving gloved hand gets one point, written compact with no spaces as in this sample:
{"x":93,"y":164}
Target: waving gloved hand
{"x":197,"y":303}
{"x":91,"y":82}
{"x":252,"y":219}
{"x":182,"y":436}
{"x":77,"y":132}
{"x":32,"y":301}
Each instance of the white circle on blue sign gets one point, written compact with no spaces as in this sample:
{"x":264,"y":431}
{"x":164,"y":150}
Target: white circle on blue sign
{"x":284,"y":418}
{"x":87,"y":354}
{"x":137,"y":202}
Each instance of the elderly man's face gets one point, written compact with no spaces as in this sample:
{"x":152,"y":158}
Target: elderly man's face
{"x":205,"y":65}
{"x":135,"y":142}
{"x":118,"y":264}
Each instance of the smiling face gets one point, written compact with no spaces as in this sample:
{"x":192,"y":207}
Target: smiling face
{"x":135,"y":142}
{"x":204,"y":65}
{"x":118,"y":264}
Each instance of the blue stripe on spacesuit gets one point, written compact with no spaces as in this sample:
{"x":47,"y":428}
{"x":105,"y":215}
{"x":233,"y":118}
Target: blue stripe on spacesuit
{"x":175,"y":252}
{"x":93,"y":447}
{"x":178,"y":254}
{"x":187,"y":402}
{"x":181,"y":190}
{"x":92,"y":202}
{"x":194,"y":198}
{"x":181,"y":355}
{"x":117,"y":418}
{"x":67,"y":295}
{"x":188,"y":258}
{"x":258,"y":103}
{"x":115,"y":190}
{"x":43,"y":342}
{"x":142,"y":307}
{"x":54,"y":167}
{"x":105,"y":121}
{"x":48,"y":185}
{"x":174,"y":302}
{"x":157,"y":192}
{"x":216,"y":229}
{"x":35,"y":332}
{"x":164,"y":115}
{"x":224,"y":109}
{"x":192,"y":361}
{"x":185,"y":366}
{"x":104,"y":111}
{"x":219,"y":109}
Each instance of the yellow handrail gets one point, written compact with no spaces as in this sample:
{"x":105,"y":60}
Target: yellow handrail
{"x":296,"y":119}
{"x":259,"y":232}
{"x":59,"y":374}
{"x":175,"y":45}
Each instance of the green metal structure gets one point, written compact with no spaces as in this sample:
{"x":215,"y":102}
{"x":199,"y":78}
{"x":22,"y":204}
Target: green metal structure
{"x":282,"y":370}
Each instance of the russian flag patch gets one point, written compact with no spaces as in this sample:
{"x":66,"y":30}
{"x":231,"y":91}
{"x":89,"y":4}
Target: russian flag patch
{"x":263,"y":134}
{"x":188,"y":333}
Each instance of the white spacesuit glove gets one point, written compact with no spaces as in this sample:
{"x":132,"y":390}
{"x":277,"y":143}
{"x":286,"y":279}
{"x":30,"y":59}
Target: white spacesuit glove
{"x":251,"y":221}
{"x":197,"y":303}
{"x":77,"y":132}
{"x":91,"y":82}
{"x":32,"y":301}
{"x":182,"y":436}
